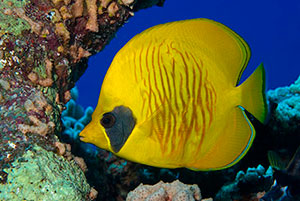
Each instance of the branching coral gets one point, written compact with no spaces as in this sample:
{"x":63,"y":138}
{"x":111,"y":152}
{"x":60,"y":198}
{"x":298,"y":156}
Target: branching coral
{"x":75,"y":118}
{"x":46,"y":82}
{"x":77,"y":8}
{"x":92,"y":24}
{"x":35,"y":105}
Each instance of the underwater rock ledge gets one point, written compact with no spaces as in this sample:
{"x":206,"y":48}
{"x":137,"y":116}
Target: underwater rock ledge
{"x":44,"y":48}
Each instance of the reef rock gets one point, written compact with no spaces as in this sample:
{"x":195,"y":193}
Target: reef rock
{"x":175,"y":191}
{"x":44,"y":49}
{"x":43,"y":175}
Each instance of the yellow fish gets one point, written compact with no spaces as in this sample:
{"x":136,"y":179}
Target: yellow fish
{"x":170,"y":98}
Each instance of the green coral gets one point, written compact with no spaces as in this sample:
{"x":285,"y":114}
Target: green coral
{"x":10,"y":23}
{"x":41,"y":175}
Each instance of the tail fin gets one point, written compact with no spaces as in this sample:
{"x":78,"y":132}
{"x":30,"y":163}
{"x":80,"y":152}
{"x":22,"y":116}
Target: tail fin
{"x":253,"y":94}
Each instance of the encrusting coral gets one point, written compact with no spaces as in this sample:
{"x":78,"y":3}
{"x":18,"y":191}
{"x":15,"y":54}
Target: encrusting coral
{"x":42,"y":175}
{"x":44,"y":47}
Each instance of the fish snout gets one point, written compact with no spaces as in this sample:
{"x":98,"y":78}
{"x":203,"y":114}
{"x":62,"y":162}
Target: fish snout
{"x":94,"y":134}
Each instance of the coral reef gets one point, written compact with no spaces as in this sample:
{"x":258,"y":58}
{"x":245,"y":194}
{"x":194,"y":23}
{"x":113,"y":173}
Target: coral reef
{"x":74,"y":119}
{"x":284,"y":124}
{"x":286,"y":101}
{"x":278,"y":193}
{"x":247,"y":186}
{"x":175,"y":191}
{"x":44,"y":47}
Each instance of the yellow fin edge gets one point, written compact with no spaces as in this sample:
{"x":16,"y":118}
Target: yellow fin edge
{"x":252,"y":136}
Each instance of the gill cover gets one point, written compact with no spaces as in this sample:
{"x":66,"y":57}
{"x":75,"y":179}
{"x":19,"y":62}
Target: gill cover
{"x":118,"y":125}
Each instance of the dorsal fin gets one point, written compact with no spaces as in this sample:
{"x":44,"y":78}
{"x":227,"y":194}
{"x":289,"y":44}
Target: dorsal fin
{"x":276,"y":161}
{"x":210,"y":40}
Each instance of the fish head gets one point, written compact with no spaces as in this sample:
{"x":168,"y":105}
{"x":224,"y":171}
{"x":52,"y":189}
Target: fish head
{"x":113,"y":118}
{"x":112,"y":122}
{"x":94,"y":132}
{"x":116,"y":127}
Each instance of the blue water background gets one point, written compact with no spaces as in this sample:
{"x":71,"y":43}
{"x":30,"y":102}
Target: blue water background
{"x":270,"y":27}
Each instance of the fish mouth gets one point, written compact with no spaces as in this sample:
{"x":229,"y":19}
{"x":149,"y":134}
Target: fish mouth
{"x":81,"y":136}
{"x":83,"y":139}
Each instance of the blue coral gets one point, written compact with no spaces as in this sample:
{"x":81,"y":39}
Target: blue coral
{"x":74,"y":119}
{"x":287,"y":102}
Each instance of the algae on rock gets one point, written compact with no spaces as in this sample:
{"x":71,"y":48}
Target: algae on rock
{"x":9,"y":23}
{"x":41,"y":175}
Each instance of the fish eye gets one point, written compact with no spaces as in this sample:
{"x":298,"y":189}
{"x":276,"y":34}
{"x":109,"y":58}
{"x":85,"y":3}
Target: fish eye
{"x":108,"y":120}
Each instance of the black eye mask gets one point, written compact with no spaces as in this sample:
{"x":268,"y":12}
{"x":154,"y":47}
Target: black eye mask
{"x":118,"y":125}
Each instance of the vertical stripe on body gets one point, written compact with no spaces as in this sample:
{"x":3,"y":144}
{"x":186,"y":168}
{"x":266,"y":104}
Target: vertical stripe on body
{"x":177,"y":95}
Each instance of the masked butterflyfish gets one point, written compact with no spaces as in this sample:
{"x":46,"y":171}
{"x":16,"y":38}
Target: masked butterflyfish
{"x":171,"y":98}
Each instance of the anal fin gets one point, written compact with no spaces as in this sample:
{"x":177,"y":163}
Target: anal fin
{"x":235,"y":136}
